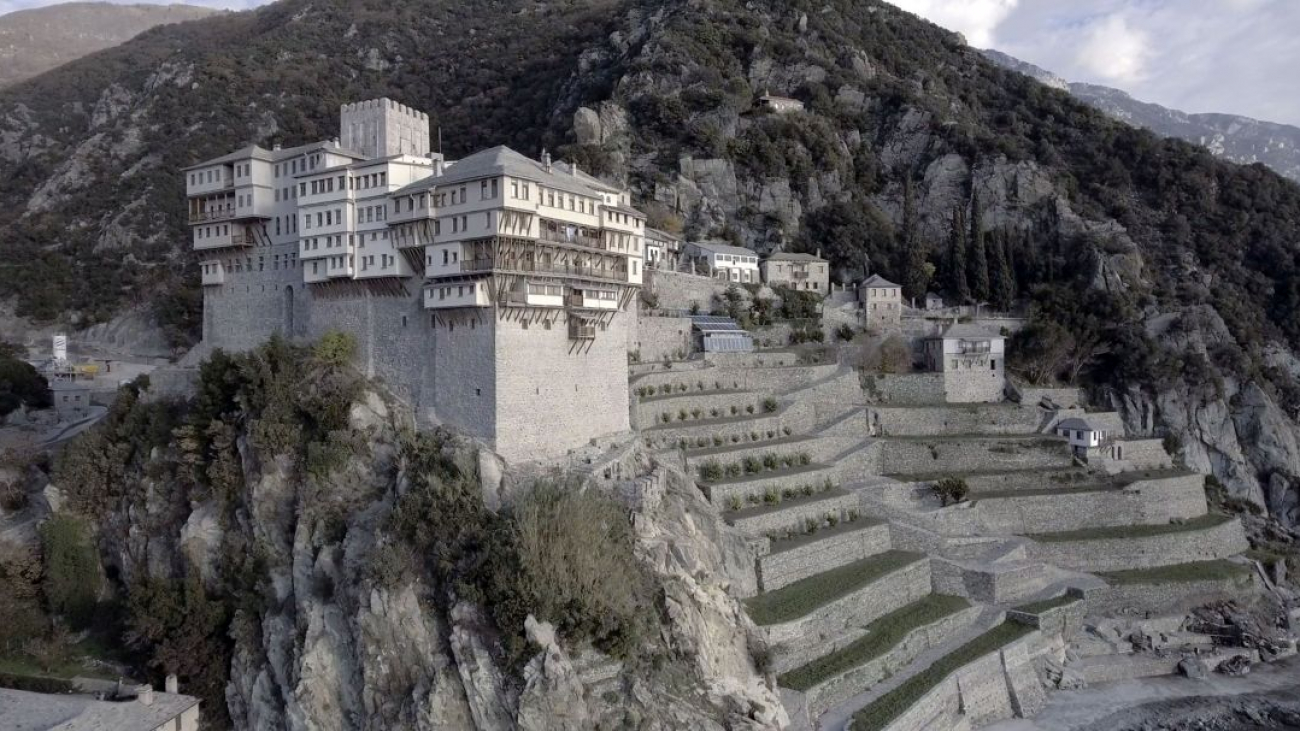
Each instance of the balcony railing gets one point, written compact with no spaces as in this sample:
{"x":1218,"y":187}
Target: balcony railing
{"x":581,"y":329}
{"x":577,"y":238}
{"x":221,"y":214}
{"x":572,"y":270}
{"x":974,"y":347}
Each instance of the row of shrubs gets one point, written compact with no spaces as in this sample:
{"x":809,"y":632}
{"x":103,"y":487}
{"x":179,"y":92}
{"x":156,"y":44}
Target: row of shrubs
{"x":774,"y":497}
{"x":717,"y":440}
{"x":813,"y":525}
{"x":712,"y":471}
{"x":668,"y":389}
{"x":769,"y":405}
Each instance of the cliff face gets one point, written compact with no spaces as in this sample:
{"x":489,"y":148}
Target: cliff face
{"x":663,"y":94}
{"x":331,"y":609}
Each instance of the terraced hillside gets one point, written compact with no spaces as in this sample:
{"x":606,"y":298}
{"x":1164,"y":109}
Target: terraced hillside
{"x":878,"y":606}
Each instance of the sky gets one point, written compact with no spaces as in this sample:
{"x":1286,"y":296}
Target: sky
{"x":1231,"y":56}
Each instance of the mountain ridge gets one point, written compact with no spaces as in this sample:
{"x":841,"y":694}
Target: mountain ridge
{"x":35,"y":40}
{"x":1234,"y":137}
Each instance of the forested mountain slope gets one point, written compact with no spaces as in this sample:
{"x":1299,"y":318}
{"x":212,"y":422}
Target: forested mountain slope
{"x":37,"y":40}
{"x":1168,"y":279}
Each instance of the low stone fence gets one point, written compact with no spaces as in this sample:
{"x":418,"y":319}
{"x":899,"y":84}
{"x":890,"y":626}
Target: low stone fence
{"x":1120,"y":554}
{"x":763,"y":359}
{"x":1065,"y":398}
{"x":801,"y":641}
{"x":756,"y":486}
{"x":776,"y":570}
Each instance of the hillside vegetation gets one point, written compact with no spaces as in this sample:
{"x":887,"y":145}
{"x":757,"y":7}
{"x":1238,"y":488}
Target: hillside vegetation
{"x":1166,"y":279}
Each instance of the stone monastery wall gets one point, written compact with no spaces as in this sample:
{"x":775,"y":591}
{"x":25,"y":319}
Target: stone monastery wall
{"x":906,"y":389}
{"x":1121,"y":554}
{"x":661,"y":338}
{"x":679,"y":290}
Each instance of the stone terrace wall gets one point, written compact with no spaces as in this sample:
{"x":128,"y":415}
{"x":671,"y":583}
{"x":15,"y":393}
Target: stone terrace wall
{"x":1066,"y":398}
{"x":801,"y":641}
{"x":780,"y":569}
{"x":1119,"y":554}
{"x":956,"y":419}
{"x":1141,"y":599}
{"x":1144,"y":454}
{"x":905,"y":389}
{"x":766,"y":379}
{"x":659,"y":338}
{"x":679,"y":290}
{"x":1152,"y":502}
{"x":955,"y":456}
{"x":974,"y":386}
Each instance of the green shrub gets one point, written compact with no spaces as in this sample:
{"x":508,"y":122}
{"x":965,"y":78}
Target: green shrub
{"x":711,"y":471}
{"x":682,"y":415}
{"x":733,"y":503}
{"x":749,"y":408}
{"x":950,"y":490}
{"x":805,"y":459}
{"x":770,"y":404}
{"x":771,"y":461}
{"x":844,"y":332}
{"x":735,"y":470}
{"x":72,"y":578}
{"x":753,"y":465}
{"x":771,"y":497}
{"x":336,"y":349}
{"x":785,"y":430}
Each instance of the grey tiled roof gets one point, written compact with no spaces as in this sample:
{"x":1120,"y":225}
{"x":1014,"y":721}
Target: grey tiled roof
{"x":719,"y":248}
{"x":502,"y":160}
{"x":257,"y":152}
{"x":21,"y":709}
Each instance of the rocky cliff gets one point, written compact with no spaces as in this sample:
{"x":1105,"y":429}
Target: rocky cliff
{"x":338,"y":586}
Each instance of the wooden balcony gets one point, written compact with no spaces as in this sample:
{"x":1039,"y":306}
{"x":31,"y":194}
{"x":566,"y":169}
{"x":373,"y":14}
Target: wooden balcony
{"x":220,"y":214}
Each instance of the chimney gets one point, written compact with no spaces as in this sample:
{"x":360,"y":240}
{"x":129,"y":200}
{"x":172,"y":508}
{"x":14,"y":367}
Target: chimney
{"x":276,"y":146}
{"x":573,"y":169}
{"x":171,"y":685}
{"x":819,"y":252}
{"x":546,"y":160}
{"x":144,"y":694}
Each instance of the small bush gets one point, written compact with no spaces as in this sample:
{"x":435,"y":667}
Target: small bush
{"x":682,"y":415}
{"x":718,"y":441}
{"x":844,"y":332}
{"x":749,"y":408}
{"x":714,"y":413}
{"x":734,"y":411}
{"x":951,"y":490}
{"x":336,"y":349}
{"x":735,"y":470}
{"x":808,"y":490}
{"x":832,"y":519}
{"x":805,"y":459}
{"x":753,"y":465}
{"x":785,"y":430}
{"x":733,"y":503}
{"x":810,"y":525}
{"x":771,"y":462}
{"x":853,"y":515}
{"x":697,"y":412}
{"x":771,"y":497}
{"x":711,"y":471}
{"x":770,"y":405}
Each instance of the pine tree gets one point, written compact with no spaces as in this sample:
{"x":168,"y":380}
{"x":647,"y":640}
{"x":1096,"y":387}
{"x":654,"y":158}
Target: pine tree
{"x":916,"y":270}
{"x":957,"y":256}
{"x":977,"y":263}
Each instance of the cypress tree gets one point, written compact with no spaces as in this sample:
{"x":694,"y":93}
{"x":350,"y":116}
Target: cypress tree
{"x":977,"y":263}
{"x":916,"y":276}
{"x":1001,"y":282}
{"x":957,"y":256}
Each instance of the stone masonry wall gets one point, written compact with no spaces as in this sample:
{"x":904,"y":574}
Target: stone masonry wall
{"x":905,"y":389}
{"x":1140,"y":599}
{"x":555,"y":394}
{"x":780,"y":569}
{"x":660,"y":338}
{"x":1119,"y":554}
{"x":955,"y":456}
{"x":799,"y":642}
{"x":253,"y":304}
{"x":1152,"y":502}
{"x":678,"y":290}
{"x":974,"y":386}
{"x":956,"y":420}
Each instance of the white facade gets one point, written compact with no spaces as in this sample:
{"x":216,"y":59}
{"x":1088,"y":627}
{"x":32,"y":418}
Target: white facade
{"x":732,"y":263}
{"x":1081,"y":434}
{"x":966,"y":348}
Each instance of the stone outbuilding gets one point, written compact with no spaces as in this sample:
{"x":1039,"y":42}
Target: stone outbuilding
{"x":802,"y":272}
{"x":1089,"y":440}
{"x":933,"y":302}
{"x":881,"y":301}
{"x":972,"y":361}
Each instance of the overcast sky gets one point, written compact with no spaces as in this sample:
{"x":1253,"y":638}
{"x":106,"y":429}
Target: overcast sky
{"x":1235,"y":56}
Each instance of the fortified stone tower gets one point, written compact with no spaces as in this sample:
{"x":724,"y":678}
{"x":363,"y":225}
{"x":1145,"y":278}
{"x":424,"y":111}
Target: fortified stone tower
{"x":382,"y":128}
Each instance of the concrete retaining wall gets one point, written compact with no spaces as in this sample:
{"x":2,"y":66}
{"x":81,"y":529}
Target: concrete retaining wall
{"x":1120,"y":554}
{"x":780,"y":569}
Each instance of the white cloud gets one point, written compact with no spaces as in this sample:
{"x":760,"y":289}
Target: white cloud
{"x":1113,"y":50}
{"x":975,"y":19}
